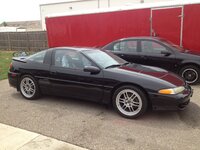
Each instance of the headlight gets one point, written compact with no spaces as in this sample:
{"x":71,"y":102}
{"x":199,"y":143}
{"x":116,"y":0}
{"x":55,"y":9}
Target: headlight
{"x":172,"y":90}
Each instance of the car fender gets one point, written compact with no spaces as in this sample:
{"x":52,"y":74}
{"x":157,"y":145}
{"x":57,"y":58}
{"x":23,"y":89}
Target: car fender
{"x":190,"y":62}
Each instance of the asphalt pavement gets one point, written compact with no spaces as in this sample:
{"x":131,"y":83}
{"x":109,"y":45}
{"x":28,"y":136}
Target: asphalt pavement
{"x":12,"y":138}
{"x":95,"y":126}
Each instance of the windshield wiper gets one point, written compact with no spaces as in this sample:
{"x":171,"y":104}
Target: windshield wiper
{"x":126,"y":63}
{"x":117,"y":65}
{"x":112,"y":66}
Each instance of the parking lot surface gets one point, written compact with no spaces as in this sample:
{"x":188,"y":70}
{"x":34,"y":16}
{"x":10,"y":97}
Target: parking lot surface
{"x":97,"y":127}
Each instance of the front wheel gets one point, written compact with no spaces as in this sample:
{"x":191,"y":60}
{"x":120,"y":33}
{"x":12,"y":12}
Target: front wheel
{"x":130,"y":101}
{"x":191,"y":74}
{"x":29,"y":87}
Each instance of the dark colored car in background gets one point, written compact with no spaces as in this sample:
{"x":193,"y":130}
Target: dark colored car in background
{"x":158,"y":52}
{"x":94,"y":75}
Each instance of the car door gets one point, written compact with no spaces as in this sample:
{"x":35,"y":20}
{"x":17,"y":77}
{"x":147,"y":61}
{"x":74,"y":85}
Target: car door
{"x":126,"y":49}
{"x":154,"y":53}
{"x":69,"y":79}
{"x":38,"y":65}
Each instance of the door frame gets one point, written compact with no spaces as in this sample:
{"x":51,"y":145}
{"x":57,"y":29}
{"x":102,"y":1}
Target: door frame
{"x":180,"y":16}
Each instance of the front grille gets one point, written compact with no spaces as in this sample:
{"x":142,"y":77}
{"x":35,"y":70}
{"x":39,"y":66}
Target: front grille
{"x":183,"y":105}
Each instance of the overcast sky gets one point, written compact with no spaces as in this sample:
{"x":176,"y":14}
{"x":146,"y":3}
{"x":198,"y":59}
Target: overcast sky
{"x":20,"y":10}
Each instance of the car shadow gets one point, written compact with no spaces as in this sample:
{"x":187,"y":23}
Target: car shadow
{"x":188,"y":117}
{"x":56,"y":102}
{"x":191,"y":116}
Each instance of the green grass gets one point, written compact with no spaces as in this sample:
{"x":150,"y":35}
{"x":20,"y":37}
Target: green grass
{"x":5,"y":60}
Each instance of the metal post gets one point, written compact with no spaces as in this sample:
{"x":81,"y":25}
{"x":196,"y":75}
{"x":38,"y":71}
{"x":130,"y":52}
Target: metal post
{"x":28,"y":43}
{"x":9,"y":42}
{"x":108,"y":3}
{"x":181,"y":32}
{"x":151,"y":26}
{"x":98,"y":3}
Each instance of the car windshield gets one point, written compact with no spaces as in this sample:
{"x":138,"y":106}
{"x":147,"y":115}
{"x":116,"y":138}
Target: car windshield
{"x":104,"y":59}
{"x":172,"y":44}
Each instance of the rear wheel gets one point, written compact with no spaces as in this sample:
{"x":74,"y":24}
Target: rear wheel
{"x":190,"y":73}
{"x":130,"y":101}
{"x":29,"y":87}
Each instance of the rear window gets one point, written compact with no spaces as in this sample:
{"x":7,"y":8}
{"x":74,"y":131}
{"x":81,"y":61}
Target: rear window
{"x":171,"y":44}
{"x":37,"y":57}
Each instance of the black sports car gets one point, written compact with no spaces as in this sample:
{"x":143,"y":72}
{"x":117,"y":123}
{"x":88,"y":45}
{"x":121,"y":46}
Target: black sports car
{"x":158,"y":52}
{"x":95,"y":75}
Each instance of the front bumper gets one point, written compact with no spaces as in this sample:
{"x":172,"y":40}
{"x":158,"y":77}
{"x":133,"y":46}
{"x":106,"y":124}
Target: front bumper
{"x":13,"y":79}
{"x":171,"y":102}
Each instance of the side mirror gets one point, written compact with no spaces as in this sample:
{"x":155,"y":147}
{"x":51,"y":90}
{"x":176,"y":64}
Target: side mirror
{"x":91,"y":69}
{"x":166,"y":53}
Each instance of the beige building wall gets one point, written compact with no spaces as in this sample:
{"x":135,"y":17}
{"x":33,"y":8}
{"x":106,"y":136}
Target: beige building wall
{"x":79,"y":5}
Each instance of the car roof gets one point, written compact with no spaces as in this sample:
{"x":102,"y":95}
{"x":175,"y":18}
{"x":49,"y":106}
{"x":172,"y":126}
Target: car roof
{"x":136,"y":38}
{"x":141,"y":37}
{"x":75,"y":48}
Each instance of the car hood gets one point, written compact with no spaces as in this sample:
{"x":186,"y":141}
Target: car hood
{"x":197,"y":53}
{"x":194,"y":55}
{"x":154,"y":72}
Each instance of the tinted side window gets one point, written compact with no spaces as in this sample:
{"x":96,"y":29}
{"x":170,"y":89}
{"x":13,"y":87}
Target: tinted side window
{"x":116,"y":47}
{"x":152,"y":47}
{"x":129,"y":46}
{"x":71,"y":59}
{"x":38,"y":57}
{"x":126,"y":46}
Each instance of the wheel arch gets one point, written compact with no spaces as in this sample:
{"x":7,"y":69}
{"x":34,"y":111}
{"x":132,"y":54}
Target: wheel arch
{"x":37,"y":89}
{"x":194,"y":66}
{"x":188,"y":64}
{"x":131,"y":84}
{"x":20,"y":76}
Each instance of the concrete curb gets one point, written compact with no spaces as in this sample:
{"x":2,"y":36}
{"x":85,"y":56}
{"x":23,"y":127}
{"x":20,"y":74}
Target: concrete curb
{"x":12,"y":138}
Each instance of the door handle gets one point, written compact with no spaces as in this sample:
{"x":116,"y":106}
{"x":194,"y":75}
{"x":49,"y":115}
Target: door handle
{"x":53,"y":72}
{"x":144,"y":57}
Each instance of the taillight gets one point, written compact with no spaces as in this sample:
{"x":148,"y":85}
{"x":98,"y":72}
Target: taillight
{"x":10,"y":66}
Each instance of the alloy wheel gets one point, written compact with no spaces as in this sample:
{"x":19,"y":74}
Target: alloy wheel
{"x":129,"y":102}
{"x":190,"y":75}
{"x":27,"y":87}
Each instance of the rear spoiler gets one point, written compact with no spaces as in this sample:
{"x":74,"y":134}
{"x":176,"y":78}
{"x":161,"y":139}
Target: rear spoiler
{"x":19,"y":59}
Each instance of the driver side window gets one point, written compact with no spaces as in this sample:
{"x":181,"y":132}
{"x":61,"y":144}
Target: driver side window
{"x":71,"y":59}
{"x":126,"y":46}
{"x":116,"y":47}
{"x":152,"y":47}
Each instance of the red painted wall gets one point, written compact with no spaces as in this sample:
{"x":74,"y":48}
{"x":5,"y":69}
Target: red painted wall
{"x":191,"y":27}
{"x":166,"y":23}
{"x":101,"y":28}
{"x":97,"y":29}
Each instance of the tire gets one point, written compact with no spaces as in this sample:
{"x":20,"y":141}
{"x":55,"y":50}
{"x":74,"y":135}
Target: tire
{"x":190,"y":73}
{"x":29,"y":88}
{"x":133,"y":106}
